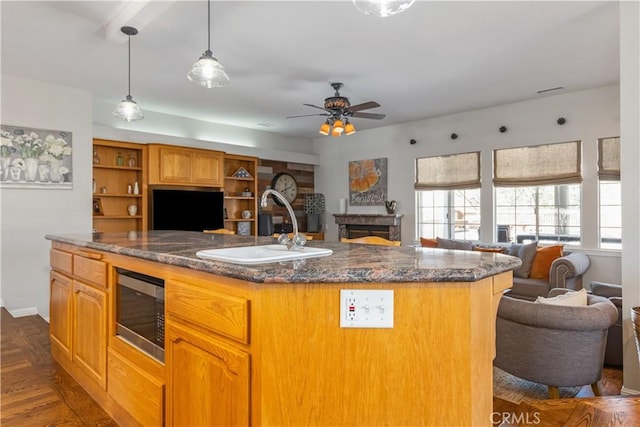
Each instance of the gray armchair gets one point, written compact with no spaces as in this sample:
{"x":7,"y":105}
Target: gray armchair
{"x":558,"y":346}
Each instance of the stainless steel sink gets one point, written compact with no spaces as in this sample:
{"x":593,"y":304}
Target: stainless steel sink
{"x":262,"y":254}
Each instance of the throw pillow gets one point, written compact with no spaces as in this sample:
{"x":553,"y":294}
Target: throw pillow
{"x":428,"y":243}
{"x":526,"y":253}
{"x":462,"y":245}
{"x":494,"y":250}
{"x":542,"y":261}
{"x":571,"y":298}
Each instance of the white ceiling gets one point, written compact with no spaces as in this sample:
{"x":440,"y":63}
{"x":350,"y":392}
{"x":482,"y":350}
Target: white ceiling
{"x":435,"y":58}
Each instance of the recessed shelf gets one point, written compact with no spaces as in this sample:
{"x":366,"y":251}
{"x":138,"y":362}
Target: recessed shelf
{"x":98,"y":195}
{"x":117,"y":167}
{"x":239,"y":219}
{"x":117,"y":216}
{"x":239,"y":198}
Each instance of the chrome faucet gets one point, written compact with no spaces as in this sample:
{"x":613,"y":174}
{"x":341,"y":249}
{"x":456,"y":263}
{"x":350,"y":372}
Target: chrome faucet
{"x":297,"y":241}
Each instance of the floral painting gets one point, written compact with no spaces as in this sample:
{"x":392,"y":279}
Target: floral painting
{"x":35,"y":158}
{"x":368,"y":182}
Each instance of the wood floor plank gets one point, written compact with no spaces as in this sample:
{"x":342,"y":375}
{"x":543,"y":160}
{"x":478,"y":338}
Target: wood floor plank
{"x":34,"y":389}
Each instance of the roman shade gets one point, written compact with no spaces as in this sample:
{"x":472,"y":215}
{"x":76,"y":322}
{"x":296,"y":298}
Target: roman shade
{"x":454,"y":171}
{"x":609,"y":159}
{"x":548,"y":164}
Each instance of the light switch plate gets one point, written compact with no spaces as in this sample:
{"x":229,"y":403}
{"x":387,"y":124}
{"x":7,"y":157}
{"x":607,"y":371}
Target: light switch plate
{"x":366,"y":308}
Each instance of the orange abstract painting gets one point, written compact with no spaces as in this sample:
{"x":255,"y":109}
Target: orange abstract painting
{"x":367,"y":182}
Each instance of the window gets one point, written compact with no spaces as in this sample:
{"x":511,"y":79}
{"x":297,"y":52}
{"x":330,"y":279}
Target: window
{"x":448,"y":196}
{"x":548,"y":214}
{"x":538,"y":193}
{"x":450,"y":214}
{"x":610,"y":196}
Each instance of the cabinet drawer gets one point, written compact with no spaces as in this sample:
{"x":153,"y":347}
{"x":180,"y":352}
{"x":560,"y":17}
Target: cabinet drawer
{"x":61,"y":261}
{"x":139,"y":393}
{"x":225,"y":314}
{"x":90,"y":270}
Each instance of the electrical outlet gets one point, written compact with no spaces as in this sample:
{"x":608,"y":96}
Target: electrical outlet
{"x":365,"y":308}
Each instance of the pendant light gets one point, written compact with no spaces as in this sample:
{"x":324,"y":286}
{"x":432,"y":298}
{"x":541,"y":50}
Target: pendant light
{"x":128,"y":109}
{"x":207,"y":71}
{"x":382,"y":8}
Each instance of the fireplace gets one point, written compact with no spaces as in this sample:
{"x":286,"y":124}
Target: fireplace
{"x":360,"y":225}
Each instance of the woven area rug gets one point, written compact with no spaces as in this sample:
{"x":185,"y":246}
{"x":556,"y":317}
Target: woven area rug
{"x":513,"y":389}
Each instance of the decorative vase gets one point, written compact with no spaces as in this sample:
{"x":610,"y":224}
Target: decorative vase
{"x":4,"y":168}
{"x":43,"y":173}
{"x":15,"y":173}
{"x":132,"y":209}
{"x":31,"y":169}
{"x":390,"y":206}
{"x":54,"y":170}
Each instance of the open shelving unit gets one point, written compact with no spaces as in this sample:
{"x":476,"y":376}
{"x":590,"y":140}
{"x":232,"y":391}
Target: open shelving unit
{"x":234,"y":186}
{"x":111,"y":198}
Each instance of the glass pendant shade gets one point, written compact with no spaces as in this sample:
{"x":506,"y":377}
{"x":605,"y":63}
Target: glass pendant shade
{"x":338,"y":126}
{"x":349,"y":129}
{"x":128,"y":110}
{"x":208,"y":72}
{"x":382,"y":8}
{"x":325,"y":128}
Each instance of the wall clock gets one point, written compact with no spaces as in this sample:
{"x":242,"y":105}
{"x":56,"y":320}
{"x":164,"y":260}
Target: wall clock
{"x":286,"y":185}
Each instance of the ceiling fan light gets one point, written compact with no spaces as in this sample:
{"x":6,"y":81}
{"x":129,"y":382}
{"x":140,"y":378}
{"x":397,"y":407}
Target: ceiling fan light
{"x":208,"y":72}
{"x":128,"y":110}
{"x":336,"y":133}
{"x":382,"y":8}
{"x":325,"y":128}
{"x":349,"y":129}
{"x":338,"y":126}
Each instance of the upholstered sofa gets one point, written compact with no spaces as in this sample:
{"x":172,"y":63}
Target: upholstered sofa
{"x":613,"y":292}
{"x":565,"y":270}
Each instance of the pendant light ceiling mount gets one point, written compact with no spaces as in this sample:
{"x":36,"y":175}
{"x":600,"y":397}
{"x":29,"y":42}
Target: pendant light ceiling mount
{"x":207,"y":71}
{"x":128,"y":109}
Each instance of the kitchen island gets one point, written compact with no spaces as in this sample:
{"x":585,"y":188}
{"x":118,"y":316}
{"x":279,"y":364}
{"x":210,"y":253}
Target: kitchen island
{"x":263,"y":344}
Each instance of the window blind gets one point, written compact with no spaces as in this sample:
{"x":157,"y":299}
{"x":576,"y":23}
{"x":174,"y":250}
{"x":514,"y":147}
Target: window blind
{"x":454,"y":171}
{"x":547,"y":164}
{"x":609,"y":159}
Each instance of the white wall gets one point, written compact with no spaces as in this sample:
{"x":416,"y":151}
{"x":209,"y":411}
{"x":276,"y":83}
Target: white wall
{"x":630,"y":158}
{"x":173,"y":130}
{"x":27,"y":214}
{"x":590,"y":115}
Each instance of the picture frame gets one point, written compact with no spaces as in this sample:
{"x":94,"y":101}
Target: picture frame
{"x":97,"y":207}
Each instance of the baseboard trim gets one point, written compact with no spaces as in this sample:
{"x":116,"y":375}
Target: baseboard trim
{"x":628,"y":391}
{"x":22,"y":312}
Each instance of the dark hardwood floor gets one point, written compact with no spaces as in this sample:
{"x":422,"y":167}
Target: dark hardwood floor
{"x":36,"y":392}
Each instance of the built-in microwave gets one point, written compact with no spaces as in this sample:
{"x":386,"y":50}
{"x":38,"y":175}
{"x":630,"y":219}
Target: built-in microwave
{"x":139,"y":305}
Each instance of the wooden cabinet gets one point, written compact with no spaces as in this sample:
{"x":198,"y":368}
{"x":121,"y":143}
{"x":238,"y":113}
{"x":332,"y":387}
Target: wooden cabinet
{"x":208,"y":362}
{"x":117,"y":166}
{"x":89,"y":351}
{"x":60,"y":314}
{"x":240,"y":192}
{"x":207,"y":379}
{"x":172,"y":165}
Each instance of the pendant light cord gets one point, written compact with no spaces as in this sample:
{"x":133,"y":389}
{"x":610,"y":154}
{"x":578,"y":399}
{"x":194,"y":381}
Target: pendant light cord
{"x":209,"y":26}
{"x":129,"y":89}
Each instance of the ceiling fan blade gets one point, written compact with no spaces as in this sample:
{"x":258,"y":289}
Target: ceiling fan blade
{"x":307,"y":115}
{"x":364,"y":106}
{"x":315,"y":106}
{"x":369,"y":116}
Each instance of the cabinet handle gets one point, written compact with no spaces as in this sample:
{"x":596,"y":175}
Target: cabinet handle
{"x":90,"y":255}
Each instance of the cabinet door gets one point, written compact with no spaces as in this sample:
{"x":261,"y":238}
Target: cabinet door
{"x":207,"y":380}
{"x":175,"y":165}
{"x":60,"y":310}
{"x":206,"y":168}
{"x":90,"y":331}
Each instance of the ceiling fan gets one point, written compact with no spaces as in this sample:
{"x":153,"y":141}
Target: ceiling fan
{"x":338,"y":108}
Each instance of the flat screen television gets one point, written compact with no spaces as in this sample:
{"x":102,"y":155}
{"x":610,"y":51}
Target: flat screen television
{"x":186,"y":209}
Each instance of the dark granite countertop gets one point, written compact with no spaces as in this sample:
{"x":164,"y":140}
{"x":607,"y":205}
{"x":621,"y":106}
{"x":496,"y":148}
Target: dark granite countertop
{"x":349,"y":263}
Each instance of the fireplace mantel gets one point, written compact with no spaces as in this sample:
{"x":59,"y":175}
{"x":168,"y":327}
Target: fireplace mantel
{"x":359,"y":225}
